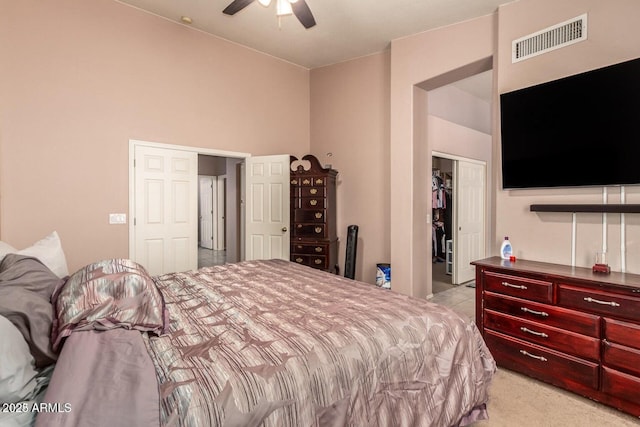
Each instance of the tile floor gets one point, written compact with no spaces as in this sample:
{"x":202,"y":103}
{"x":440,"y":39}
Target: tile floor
{"x":461,"y":298}
{"x":208,"y":257}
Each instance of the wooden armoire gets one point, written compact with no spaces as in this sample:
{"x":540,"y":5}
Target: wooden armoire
{"x":314,"y":238}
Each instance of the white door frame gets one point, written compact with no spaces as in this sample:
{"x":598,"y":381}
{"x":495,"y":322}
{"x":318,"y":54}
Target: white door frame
{"x":455,"y":202}
{"x":132,"y":146}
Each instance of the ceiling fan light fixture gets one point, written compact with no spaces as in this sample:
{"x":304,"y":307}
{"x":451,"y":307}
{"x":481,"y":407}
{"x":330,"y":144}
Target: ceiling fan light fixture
{"x":283,"y":7}
{"x":265,"y":3}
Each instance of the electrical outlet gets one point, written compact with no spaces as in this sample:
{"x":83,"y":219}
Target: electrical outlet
{"x":117,"y":218}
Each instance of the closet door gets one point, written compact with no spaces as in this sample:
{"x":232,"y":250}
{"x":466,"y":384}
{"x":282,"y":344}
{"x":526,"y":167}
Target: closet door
{"x":468,"y":239}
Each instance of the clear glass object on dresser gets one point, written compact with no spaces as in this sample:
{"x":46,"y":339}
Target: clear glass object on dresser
{"x":314,"y":239}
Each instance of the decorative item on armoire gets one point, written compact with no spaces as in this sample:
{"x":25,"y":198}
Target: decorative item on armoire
{"x":314,"y":237}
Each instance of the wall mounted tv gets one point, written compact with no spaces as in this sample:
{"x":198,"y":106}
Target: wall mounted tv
{"x":581,"y":130}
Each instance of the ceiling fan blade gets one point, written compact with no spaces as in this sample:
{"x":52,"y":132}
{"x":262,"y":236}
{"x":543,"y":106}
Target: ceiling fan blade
{"x":303,"y":13}
{"x":236,"y":6}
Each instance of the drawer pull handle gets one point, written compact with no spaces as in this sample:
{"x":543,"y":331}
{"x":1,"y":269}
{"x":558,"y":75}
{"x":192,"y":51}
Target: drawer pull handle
{"x":313,"y":202}
{"x":540,"y":358}
{"x":318,"y":229}
{"x":510,"y":285}
{"x":299,"y":260}
{"x":318,"y":249}
{"x":318,"y":261}
{"x":538,"y":313}
{"x":529,"y":331}
{"x":318,"y":215}
{"x":611,"y":303}
{"x":313,"y":191}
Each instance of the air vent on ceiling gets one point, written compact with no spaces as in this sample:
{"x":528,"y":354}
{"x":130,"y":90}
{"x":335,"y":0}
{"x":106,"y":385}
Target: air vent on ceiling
{"x":554,"y":37}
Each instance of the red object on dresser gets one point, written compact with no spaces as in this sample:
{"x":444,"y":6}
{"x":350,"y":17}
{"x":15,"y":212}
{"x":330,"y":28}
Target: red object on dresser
{"x":568,"y":326}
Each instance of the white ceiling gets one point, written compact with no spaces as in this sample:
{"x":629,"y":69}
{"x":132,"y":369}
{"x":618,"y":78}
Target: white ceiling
{"x":345,"y":29}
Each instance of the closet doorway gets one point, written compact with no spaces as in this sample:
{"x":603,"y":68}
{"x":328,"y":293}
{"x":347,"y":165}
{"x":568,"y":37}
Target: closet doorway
{"x":458,"y":219}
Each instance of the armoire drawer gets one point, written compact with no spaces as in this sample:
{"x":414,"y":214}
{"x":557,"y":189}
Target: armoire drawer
{"x":316,"y":261}
{"x":309,"y":230}
{"x":547,"y":336}
{"x":582,"y":323}
{"x":312,"y":192}
{"x":306,"y":248}
{"x":522,"y":287}
{"x":620,"y":332}
{"x":313,"y":203}
{"x":310,"y":215}
{"x":597,"y":301}
{"x":578,"y":375}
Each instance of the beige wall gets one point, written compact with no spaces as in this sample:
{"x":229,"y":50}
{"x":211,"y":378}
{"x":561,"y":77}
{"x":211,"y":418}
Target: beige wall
{"x":350,"y":120}
{"x":80,"y":78}
{"x":443,"y":54}
{"x":613,"y":34}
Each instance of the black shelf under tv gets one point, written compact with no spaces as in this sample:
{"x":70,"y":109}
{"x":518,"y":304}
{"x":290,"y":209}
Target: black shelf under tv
{"x":597,"y":208}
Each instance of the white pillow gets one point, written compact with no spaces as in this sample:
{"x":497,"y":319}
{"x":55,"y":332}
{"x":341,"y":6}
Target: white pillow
{"x":49,"y":252}
{"x":5,"y":249}
{"x":17,"y":373}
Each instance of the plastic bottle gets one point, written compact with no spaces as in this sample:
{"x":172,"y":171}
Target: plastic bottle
{"x":505,"y":249}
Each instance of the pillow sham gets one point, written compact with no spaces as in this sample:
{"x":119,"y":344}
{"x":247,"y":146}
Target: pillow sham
{"x":5,"y":249}
{"x":17,"y":373}
{"x":116,"y":293}
{"x":49,"y":251}
{"x":26,"y":285}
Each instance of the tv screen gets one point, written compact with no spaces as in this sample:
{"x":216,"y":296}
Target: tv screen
{"x":582,"y":130}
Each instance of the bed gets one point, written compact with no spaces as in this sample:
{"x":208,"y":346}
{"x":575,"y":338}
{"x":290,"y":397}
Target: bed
{"x":267,"y":342}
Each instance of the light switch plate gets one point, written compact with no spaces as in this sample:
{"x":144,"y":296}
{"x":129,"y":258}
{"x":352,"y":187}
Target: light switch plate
{"x":117,"y":218}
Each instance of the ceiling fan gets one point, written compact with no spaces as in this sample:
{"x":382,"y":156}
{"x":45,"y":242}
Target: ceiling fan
{"x":283,"y":7}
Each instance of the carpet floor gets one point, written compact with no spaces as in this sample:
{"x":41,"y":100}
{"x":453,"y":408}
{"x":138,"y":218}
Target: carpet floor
{"x":516,"y":400}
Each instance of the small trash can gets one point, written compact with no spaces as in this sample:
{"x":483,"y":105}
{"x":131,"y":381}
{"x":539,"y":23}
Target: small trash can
{"x":383,"y":275}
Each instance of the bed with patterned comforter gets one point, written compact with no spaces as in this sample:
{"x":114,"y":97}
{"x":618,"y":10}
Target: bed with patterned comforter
{"x":267,"y":343}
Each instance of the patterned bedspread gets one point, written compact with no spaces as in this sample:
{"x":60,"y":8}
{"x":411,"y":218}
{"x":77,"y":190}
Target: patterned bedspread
{"x":274,"y":343}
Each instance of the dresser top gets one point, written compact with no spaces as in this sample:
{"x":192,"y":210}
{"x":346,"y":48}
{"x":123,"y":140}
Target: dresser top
{"x":559,"y":271}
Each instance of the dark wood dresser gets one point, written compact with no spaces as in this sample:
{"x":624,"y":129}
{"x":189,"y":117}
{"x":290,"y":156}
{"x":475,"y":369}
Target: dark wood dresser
{"x":314,"y":238}
{"x":564,"y":325}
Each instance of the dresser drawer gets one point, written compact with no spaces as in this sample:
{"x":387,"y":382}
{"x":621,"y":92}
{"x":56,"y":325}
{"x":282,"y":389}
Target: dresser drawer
{"x":578,"y":375}
{"x":597,"y":301}
{"x":310,"y":215}
{"x":316,"y":261}
{"x":315,"y":249}
{"x":621,"y":357}
{"x":548,"y":336}
{"x":575,"y":321}
{"x":621,"y":385}
{"x":536,"y":290}
{"x":309,"y":230}
{"x":622,"y":332}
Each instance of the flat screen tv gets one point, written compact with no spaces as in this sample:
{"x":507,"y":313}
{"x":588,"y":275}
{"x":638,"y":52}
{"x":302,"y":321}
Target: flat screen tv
{"x":582,"y":130}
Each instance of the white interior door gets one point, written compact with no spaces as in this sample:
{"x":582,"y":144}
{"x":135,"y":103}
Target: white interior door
{"x":165,"y":209}
{"x":220,"y":212}
{"x":205,"y":191}
{"x":267,"y":207}
{"x":469,"y":216}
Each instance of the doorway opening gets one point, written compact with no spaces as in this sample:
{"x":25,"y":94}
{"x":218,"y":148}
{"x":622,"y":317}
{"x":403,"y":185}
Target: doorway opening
{"x":442,"y":223}
{"x":213,"y":210}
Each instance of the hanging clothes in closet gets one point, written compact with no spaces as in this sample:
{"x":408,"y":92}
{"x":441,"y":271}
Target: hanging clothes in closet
{"x":439,"y":204}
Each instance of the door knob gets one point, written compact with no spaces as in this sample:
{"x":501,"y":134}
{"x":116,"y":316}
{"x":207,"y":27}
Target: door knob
{"x":284,"y":229}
